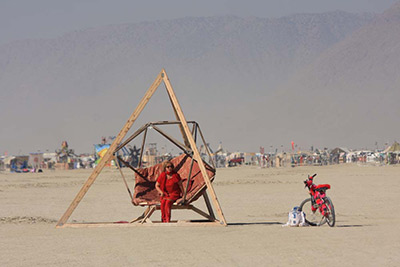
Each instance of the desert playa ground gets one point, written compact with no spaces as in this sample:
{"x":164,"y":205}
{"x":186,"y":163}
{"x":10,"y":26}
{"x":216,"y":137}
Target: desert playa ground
{"x":255,"y":203}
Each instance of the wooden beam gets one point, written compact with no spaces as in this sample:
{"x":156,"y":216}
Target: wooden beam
{"x":141,"y":216}
{"x":195,"y":223}
{"x":193,"y":146}
{"x":147,"y":216}
{"x":109,"y":154}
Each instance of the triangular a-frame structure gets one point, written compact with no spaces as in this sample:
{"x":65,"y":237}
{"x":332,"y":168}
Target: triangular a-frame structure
{"x":110,"y":154}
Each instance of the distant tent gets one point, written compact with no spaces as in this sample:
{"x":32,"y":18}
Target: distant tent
{"x":8,"y":161}
{"x":395,"y":147}
{"x":16,"y":163}
{"x":220,"y":149}
{"x":339,"y":150}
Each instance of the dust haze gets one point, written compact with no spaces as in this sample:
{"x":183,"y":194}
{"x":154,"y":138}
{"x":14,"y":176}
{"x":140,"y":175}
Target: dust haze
{"x":319,"y":79}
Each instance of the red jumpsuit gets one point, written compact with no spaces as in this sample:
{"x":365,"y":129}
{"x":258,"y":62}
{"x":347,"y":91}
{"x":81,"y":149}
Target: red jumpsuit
{"x":172,"y":192}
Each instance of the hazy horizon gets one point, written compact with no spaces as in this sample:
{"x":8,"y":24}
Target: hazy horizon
{"x":44,"y":19}
{"x":24,"y":19}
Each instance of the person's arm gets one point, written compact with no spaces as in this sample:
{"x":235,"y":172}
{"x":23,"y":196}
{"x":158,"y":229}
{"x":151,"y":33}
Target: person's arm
{"x":159,"y":189}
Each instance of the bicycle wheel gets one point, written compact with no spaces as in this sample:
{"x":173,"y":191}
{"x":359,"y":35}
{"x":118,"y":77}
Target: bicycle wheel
{"x":312,"y":218}
{"x":330,"y":217}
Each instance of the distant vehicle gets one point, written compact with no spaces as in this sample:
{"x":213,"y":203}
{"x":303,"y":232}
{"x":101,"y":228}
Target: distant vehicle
{"x":371,"y":157}
{"x":235,"y":161}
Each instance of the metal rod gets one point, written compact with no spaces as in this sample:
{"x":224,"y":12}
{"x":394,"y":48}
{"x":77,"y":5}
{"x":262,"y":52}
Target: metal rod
{"x":185,"y":138}
{"x":194,"y":125}
{"x":168,"y":122}
{"x":208,"y":204}
{"x":139,"y":131}
{"x":116,"y":158}
{"x":188,"y":180}
{"x":208,"y":151}
{"x":202,"y":213}
{"x":142,"y":149}
{"x":130,"y":167}
{"x":191,"y":165}
{"x":173,"y":140}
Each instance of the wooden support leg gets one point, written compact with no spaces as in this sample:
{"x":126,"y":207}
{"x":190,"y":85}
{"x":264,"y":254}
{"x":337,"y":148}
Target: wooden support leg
{"x":141,"y":216}
{"x":147,"y":216}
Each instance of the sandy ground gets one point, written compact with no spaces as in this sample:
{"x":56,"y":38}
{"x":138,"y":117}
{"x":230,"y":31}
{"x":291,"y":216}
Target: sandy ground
{"x":255,"y":203}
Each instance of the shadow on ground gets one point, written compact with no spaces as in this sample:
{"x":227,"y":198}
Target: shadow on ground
{"x":255,"y":223}
{"x":281,"y":223}
{"x":351,"y":225}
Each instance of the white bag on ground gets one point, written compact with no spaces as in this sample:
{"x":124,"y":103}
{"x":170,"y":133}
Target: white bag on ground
{"x":296,"y":218}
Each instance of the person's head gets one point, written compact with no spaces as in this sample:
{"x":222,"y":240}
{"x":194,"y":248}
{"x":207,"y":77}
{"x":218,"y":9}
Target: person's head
{"x":168,"y":166}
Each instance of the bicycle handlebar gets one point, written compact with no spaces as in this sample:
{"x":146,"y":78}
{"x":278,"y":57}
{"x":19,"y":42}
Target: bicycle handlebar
{"x":309,"y":178}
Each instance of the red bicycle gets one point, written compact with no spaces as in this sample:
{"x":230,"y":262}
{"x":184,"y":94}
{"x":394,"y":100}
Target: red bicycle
{"x":319,"y":207}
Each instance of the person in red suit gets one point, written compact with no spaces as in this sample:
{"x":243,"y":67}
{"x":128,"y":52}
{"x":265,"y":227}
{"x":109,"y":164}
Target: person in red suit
{"x":169,"y":186}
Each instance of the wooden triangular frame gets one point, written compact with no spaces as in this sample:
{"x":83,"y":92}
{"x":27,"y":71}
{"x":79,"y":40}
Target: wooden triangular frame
{"x":187,"y":136}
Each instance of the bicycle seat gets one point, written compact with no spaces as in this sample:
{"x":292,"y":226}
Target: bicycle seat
{"x":322,"y":187}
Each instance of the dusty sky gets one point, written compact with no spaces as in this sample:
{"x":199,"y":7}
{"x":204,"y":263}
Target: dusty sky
{"x":25,"y":19}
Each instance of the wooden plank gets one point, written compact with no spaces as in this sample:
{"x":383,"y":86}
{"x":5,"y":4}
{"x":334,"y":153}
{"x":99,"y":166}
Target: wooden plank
{"x":193,"y":146}
{"x":151,"y":210}
{"x":153,"y":224}
{"x":141,"y":216}
{"x":110,"y":151}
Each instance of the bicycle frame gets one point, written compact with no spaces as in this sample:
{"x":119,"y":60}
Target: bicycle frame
{"x":320,"y":201}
